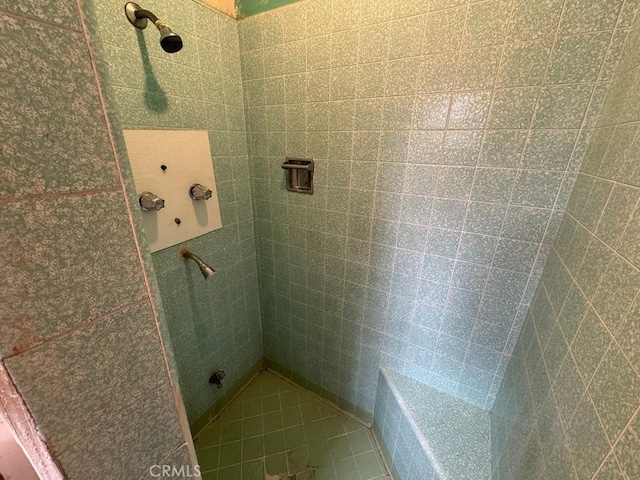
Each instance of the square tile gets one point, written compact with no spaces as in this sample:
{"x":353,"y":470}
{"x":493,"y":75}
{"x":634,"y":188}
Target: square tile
{"x":425,"y":147}
{"x":578,"y":58}
{"x":448,"y":213}
{"x":374,"y":43}
{"x":532,"y":21}
{"x":513,"y":108}
{"x":59,"y":132}
{"x":614,"y":390}
{"x":455,"y":182}
{"x":397,"y":113}
{"x":589,"y":16}
{"x":442,"y":242}
{"x":485,"y":218}
{"x":406,"y":37}
{"x":515,"y":255}
{"x":525,"y":223}
{"x":537,"y":188}
{"x":562,"y":106}
{"x":470,"y":276}
{"x":403,"y":76}
{"x":431,"y":112}
{"x":477,"y":68}
{"x":618,"y":288}
{"x":524,"y":64}
{"x":486,"y":23}
{"x":586,"y":440}
{"x":493,"y":185}
{"x":502,"y":148}
{"x":394,"y":146}
{"x":321,"y":435}
{"x":612,"y":225}
{"x":461,"y":148}
{"x":469,"y":110}
{"x":343,"y":51}
{"x":478,"y":249}
{"x":64,"y":301}
{"x":420,"y":179}
{"x":549,"y":149}
{"x":437,"y":74}
{"x":589,"y":345}
{"x":444,"y":31}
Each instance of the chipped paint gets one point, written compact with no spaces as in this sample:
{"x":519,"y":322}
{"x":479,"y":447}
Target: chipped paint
{"x":19,"y":420}
{"x":228,"y":7}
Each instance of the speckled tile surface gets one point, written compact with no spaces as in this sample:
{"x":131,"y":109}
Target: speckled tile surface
{"x":441,"y":129}
{"x":214,"y":324}
{"x":85,"y":377}
{"x":364,"y":91}
{"x":56,"y":281}
{"x":49,"y":113}
{"x":576,"y":414}
{"x":79,"y":336}
{"x":430,"y":434}
{"x":58,"y":12}
{"x":275,"y":430}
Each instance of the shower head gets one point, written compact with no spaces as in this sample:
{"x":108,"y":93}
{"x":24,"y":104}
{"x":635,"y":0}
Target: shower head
{"x":206,"y":270}
{"x":138,"y":17}
{"x":169,"y":41}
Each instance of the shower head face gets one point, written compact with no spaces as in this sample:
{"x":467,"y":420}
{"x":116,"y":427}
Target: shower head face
{"x":171,"y":42}
{"x":206,"y":270}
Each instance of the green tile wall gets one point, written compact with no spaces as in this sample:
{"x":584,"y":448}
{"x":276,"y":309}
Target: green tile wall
{"x":213,"y":324}
{"x":78,"y":334}
{"x":447,"y":135}
{"x":568,"y":407}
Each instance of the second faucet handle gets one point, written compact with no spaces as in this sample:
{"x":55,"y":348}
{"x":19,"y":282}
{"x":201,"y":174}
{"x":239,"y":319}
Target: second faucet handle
{"x":149,"y":201}
{"x":199,"y":192}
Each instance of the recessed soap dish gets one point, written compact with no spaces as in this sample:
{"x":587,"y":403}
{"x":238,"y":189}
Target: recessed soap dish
{"x":299,"y":174}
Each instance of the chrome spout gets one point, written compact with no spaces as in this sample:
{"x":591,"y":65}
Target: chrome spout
{"x":206,"y":270}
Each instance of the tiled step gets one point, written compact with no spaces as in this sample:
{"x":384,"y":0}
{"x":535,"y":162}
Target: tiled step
{"x":428,"y":434}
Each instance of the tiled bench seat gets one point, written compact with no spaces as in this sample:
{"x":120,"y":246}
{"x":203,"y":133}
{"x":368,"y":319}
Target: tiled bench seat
{"x":426,"y":434}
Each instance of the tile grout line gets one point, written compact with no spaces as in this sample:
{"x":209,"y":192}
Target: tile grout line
{"x":36,"y":19}
{"x":53,"y":196}
{"x":596,"y":237}
{"x":547,"y":225}
{"x":458,"y":54}
{"x":295,"y":390}
{"x":602,"y":322}
{"x":469,"y":201}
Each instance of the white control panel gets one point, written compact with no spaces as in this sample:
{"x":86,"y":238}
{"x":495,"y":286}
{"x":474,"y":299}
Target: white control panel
{"x":167,"y":164}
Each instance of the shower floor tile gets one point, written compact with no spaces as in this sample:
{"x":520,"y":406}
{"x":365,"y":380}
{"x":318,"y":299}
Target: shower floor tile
{"x":276,"y":431}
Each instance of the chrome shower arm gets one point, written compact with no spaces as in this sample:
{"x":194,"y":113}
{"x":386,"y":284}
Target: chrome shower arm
{"x":206,"y":270}
{"x":142,"y":13}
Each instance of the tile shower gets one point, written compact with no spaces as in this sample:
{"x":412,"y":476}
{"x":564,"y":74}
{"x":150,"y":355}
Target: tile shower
{"x":214,"y":324}
{"x":474,"y":225}
{"x":448,"y":136}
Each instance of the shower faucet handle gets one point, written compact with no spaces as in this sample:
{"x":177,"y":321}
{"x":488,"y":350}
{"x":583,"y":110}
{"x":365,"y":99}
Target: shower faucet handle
{"x":199,"y":192}
{"x":149,"y":201}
